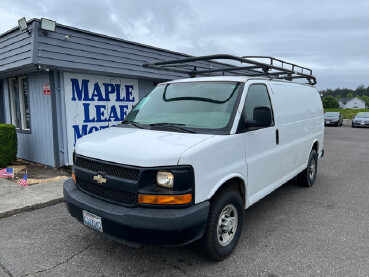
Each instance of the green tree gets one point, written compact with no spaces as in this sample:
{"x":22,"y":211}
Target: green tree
{"x":360,"y":90}
{"x":346,"y":92}
{"x":366,"y":99}
{"x":330,"y":103}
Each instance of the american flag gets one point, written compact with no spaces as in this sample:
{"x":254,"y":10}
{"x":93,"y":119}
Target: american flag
{"x":7,"y":172}
{"x":23,"y":182}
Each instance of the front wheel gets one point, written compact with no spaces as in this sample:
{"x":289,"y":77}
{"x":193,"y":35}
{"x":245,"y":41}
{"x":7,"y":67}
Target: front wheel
{"x":308,"y":176}
{"x":224,"y":224}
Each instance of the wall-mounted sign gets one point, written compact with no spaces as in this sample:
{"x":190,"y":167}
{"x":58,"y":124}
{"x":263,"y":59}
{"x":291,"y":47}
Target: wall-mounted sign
{"x":94,"y":103}
{"x":47,"y":89}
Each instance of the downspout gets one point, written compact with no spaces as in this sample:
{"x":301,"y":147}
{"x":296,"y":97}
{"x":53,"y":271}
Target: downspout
{"x":54,"y":116}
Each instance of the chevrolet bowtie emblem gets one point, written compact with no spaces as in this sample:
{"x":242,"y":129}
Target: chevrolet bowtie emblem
{"x":99,"y":179}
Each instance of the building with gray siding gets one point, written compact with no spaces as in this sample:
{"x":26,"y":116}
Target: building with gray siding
{"x":58,"y":86}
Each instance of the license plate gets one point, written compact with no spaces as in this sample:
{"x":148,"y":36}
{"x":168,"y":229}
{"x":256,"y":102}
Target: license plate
{"x":327,"y":122}
{"x":362,"y":123}
{"x":92,"y":221}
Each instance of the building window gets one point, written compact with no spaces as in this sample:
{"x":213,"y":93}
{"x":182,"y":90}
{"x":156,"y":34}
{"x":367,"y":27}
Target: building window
{"x":19,"y":103}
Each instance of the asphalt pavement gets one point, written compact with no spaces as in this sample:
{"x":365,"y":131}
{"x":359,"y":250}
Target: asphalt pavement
{"x":295,"y":231}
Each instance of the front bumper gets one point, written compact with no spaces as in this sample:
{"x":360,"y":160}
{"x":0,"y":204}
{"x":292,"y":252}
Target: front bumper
{"x":360,"y":124}
{"x":331,"y":122}
{"x":139,"y":225}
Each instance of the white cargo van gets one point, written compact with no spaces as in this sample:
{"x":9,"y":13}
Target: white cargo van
{"x":194,"y":153}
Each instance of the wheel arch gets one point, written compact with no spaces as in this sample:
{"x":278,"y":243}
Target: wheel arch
{"x":315,"y":146}
{"x":236,"y":181}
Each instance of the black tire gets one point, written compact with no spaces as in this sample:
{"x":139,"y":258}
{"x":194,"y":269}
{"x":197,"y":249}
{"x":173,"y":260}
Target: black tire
{"x":226,"y":198}
{"x":308,"y":176}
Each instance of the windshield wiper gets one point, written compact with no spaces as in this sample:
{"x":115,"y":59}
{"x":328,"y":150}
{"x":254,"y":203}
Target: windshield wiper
{"x":172,"y":125}
{"x":134,"y":123}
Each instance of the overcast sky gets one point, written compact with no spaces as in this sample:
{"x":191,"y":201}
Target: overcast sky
{"x":329,"y":36}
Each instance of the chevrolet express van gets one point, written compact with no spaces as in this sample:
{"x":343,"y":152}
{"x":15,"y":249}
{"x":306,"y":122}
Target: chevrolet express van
{"x":192,"y":156}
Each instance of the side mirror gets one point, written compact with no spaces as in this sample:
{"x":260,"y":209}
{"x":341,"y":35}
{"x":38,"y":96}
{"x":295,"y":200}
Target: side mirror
{"x":262,"y":117}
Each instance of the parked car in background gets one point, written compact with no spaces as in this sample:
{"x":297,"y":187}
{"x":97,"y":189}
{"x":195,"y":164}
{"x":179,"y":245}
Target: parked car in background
{"x":333,"y":118}
{"x":361,"y":120}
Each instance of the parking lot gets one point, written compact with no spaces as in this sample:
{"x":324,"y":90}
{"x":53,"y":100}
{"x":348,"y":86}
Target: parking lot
{"x":295,"y":231}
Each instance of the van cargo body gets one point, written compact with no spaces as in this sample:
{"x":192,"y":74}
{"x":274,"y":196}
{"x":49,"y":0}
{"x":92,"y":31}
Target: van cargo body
{"x":191,"y":156}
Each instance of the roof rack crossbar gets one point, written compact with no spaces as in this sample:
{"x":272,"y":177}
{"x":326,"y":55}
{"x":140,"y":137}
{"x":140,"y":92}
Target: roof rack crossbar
{"x":284,"y":77}
{"x":269,"y":69}
{"x":281,"y":61}
{"x":230,"y":69}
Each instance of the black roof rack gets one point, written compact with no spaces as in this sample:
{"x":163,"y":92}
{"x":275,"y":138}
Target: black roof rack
{"x":272,"y":68}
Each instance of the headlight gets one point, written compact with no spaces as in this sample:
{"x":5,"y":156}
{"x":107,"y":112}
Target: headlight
{"x":165,"y":179}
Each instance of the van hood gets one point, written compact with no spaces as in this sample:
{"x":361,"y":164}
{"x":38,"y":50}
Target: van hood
{"x":138,"y":147}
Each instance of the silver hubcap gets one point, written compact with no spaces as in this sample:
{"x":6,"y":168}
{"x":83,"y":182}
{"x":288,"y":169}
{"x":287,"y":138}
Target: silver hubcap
{"x":227,"y":224}
{"x":312,"y":169}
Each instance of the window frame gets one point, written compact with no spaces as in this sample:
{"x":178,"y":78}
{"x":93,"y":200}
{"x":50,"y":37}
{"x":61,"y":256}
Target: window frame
{"x":22,"y":128}
{"x":241,"y":125}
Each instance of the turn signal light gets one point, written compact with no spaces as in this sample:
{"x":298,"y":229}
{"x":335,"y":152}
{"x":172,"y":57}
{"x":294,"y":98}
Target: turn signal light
{"x":74,"y":177}
{"x":164,"y":199}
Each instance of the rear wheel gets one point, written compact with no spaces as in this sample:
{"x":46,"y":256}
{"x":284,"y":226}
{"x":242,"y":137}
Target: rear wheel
{"x":308,"y":176}
{"x":224,"y":224}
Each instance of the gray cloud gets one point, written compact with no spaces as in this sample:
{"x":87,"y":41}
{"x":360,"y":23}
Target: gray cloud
{"x":329,"y":36}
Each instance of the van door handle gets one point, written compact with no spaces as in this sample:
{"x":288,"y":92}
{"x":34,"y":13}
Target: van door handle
{"x":277,"y":136}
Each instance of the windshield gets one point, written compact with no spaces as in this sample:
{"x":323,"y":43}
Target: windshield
{"x":205,"y":105}
{"x":363,"y":115}
{"x":331,"y":114}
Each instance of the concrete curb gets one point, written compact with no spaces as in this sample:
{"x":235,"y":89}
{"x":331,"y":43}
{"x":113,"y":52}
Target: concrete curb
{"x":346,"y":122}
{"x":31,"y":207}
{"x":15,"y":199}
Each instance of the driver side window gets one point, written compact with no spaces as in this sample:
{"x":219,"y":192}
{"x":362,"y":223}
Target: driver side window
{"x":257,"y":95}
